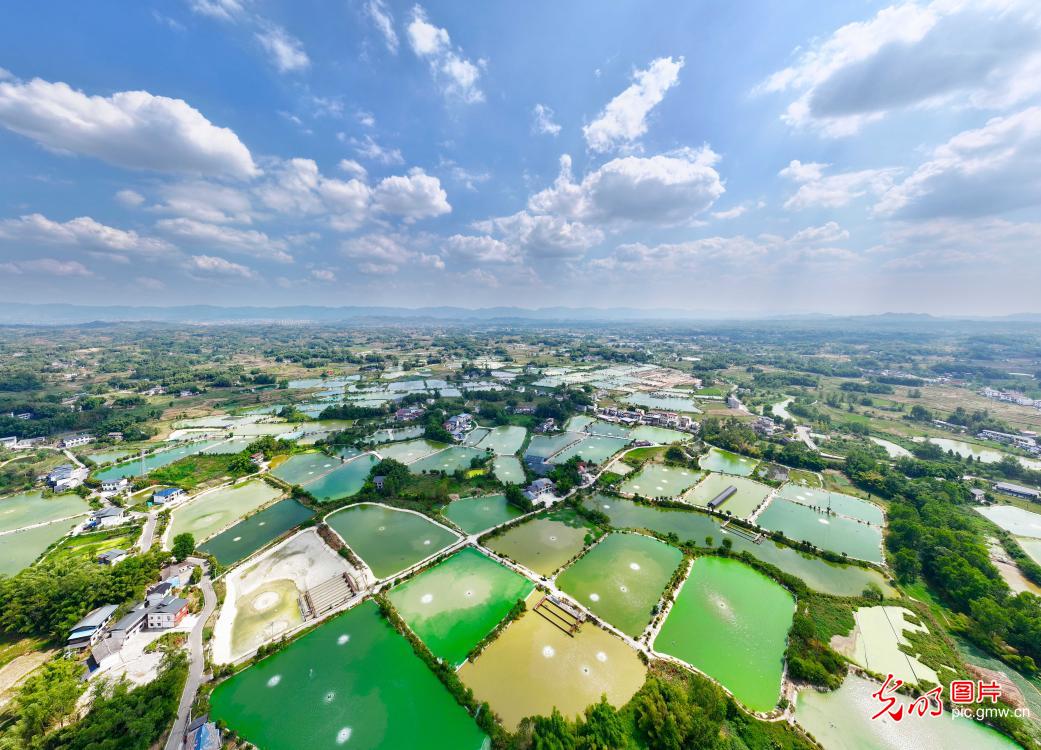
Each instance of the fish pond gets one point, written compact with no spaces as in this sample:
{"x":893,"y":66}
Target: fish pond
{"x":740,"y":504}
{"x":455,"y":604}
{"x":731,"y":622}
{"x":138,"y":467}
{"x":728,"y":463}
{"x":504,"y":441}
{"x":211,"y":512}
{"x":820,"y":575}
{"x":352,"y":682}
{"x":30,"y":508}
{"x":475,"y":514}
{"x":622,"y":579}
{"x":19,"y":549}
{"x":841,"y":720}
{"x":545,"y":446}
{"x":305,"y":467}
{"x":251,"y":534}
{"x":844,"y":505}
{"x":343,"y":481}
{"x":387,"y":539}
{"x":535,"y":666}
{"x":1014,"y":520}
{"x":826,"y":531}
{"x":595,"y":448}
{"x":662,"y":402}
{"x":508,"y":469}
{"x":545,"y":543}
{"x":659,"y":480}
{"x":449,"y":460}
{"x":410,"y":450}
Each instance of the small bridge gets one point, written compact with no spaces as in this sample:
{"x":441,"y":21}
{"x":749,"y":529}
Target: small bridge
{"x":559,"y":614}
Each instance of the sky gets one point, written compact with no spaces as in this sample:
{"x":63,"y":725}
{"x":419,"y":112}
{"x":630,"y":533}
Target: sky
{"x":743,"y":158}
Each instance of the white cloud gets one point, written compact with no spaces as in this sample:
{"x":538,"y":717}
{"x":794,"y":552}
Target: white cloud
{"x":981,"y":54}
{"x":739,"y":210}
{"x":988,"y":170}
{"x":366,"y":119}
{"x":384,"y":23}
{"x":665,"y":189}
{"x":468,"y":178}
{"x":83,"y":232}
{"x":211,"y":264}
{"x":817,"y":190}
{"x":415,"y":196}
{"x":368,"y":148}
{"x":132,"y":129}
{"x":479,"y":249}
{"x":542,"y":236}
{"x":296,"y":186}
{"x":150,"y":283}
{"x":542,"y":121}
{"x":353,"y":168}
{"x":481,"y":277}
{"x":205,"y":201}
{"x":624,"y":119}
{"x":224,"y":10}
{"x":323,"y":274}
{"x":286,"y":51}
{"x":456,"y":75}
{"x":829,"y":232}
{"x":382,"y":254}
{"x":48,"y":266}
{"x":129,"y":198}
{"x":247,"y":241}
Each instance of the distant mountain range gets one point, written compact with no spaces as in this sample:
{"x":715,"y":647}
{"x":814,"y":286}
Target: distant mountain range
{"x":66,"y":314}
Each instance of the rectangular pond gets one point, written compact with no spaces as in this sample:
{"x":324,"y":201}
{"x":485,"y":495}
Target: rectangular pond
{"x":387,"y":539}
{"x":30,"y":508}
{"x":410,"y":450}
{"x":343,"y":481}
{"x":545,"y":543}
{"x":352,"y":682}
{"x":508,"y":469}
{"x":595,"y":448}
{"x":731,"y":622}
{"x":728,"y":463}
{"x":455,"y":604}
{"x":545,"y":446}
{"x":662,"y":402}
{"x":476,"y":514}
{"x":749,"y":495}
{"x":139,"y":467}
{"x":19,"y":549}
{"x":504,"y":441}
{"x":534,"y":666}
{"x":449,"y":460}
{"x":622,"y":579}
{"x":211,"y":512}
{"x":251,"y":534}
{"x":1013,"y":519}
{"x":818,"y":574}
{"x":844,"y":505}
{"x":659,"y":480}
{"x":826,"y":531}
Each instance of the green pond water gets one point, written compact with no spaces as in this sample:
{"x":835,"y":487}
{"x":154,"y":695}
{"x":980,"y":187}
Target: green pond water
{"x":305,"y":467}
{"x":662,"y":435}
{"x":820,"y":575}
{"x":389,"y":540}
{"x":663,"y":403}
{"x":508,"y":469}
{"x":208,"y":513}
{"x":1032,"y":547}
{"x":396,"y":433}
{"x":410,"y":450}
{"x":449,"y":460}
{"x":836,"y":533}
{"x":352,"y":682}
{"x":545,"y":446}
{"x":595,"y":448}
{"x":455,"y":604}
{"x":476,"y":435}
{"x":659,"y":480}
{"x":1031,"y":688}
{"x":343,"y":481}
{"x":474,"y":514}
{"x":741,"y":504}
{"x":845,"y":505}
{"x":246,"y":537}
{"x":728,"y":463}
{"x":505,"y":440}
{"x":29,"y":508}
{"x":19,"y":549}
{"x":622,"y":578}
{"x":589,"y":425}
{"x":841,"y":720}
{"x":139,"y":467}
{"x":227,"y":447}
{"x":545,"y":543}
{"x":104,"y":457}
{"x":1013,"y":519}
{"x":731,"y":622}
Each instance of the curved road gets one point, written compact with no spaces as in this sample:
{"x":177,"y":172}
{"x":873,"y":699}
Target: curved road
{"x":196,"y":664}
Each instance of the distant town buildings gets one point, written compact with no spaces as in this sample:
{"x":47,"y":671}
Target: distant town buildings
{"x":1019,"y":441}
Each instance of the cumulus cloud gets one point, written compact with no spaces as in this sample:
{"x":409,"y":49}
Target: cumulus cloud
{"x":383,"y":254}
{"x":205,"y":201}
{"x":543,"y":236}
{"x":830,"y":232}
{"x":413,"y":196}
{"x":987,"y":170}
{"x":664,"y":189}
{"x":286,"y":51}
{"x":983,"y":54}
{"x":456,"y":75}
{"x":133,"y":129}
{"x":48,"y":266}
{"x":382,"y":19}
{"x":246,"y":241}
{"x":213,"y":265}
{"x":368,"y":148}
{"x":83,"y":232}
{"x":353,"y":168}
{"x":990,"y":244}
{"x":323,"y":274}
{"x":542,"y":121}
{"x":818,"y":190}
{"x":624,"y":120}
{"x":296,"y":186}
{"x":479,"y":249}
{"x":129,"y":198}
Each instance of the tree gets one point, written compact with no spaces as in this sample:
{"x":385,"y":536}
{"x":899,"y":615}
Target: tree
{"x":603,"y":729}
{"x":183,"y":546}
{"x":906,"y":565}
{"x":46,"y":699}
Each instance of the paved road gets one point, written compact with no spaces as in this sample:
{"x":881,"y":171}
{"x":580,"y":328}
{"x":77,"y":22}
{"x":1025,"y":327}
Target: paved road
{"x":148,"y":532}
{"x":803,"y":433}
{"x":195,"y":666}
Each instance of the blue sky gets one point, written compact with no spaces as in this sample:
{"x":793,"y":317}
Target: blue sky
{"x":726,"y":157}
